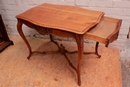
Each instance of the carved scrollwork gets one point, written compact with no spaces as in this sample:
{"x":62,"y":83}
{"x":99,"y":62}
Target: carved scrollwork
{"x":42,"y":30}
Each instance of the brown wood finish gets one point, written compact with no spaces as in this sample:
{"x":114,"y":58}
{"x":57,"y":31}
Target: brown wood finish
{"x":60,"y":20}
{"x":4,"y":39}
{"x":63,"y":17}
{"x":105,"y":32}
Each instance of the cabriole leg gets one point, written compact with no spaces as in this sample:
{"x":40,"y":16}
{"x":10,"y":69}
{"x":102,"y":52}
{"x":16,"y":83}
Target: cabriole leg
{"x":19,"y":28}
{"x":96,"y":49}
{"x":80,"y":45}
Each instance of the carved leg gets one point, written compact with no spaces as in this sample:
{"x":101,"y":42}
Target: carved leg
{"x":80,"y":44}
{"x":96,"y":49}
{"x":128,"y":35}
{"x":19,"y":28}
{"x":51,"y":38}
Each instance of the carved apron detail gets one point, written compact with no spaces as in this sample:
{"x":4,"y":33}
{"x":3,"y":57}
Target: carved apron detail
{"x":42,"y":30}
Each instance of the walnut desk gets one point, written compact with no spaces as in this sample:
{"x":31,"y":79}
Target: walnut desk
{"x":60,"y":20}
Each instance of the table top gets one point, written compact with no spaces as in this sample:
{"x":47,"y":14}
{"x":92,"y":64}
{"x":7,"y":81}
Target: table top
{"x":63,"y":17}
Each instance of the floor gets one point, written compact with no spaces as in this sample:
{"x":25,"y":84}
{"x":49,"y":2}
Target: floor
{"x":52,"y":69}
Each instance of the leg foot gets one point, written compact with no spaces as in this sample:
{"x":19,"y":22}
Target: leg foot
{"x":28,"y":57}
{"x":99,"y":56}
{"x":79,"y":83}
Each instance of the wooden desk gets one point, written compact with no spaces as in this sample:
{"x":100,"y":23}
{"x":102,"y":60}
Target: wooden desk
{"x":60,"y":20}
